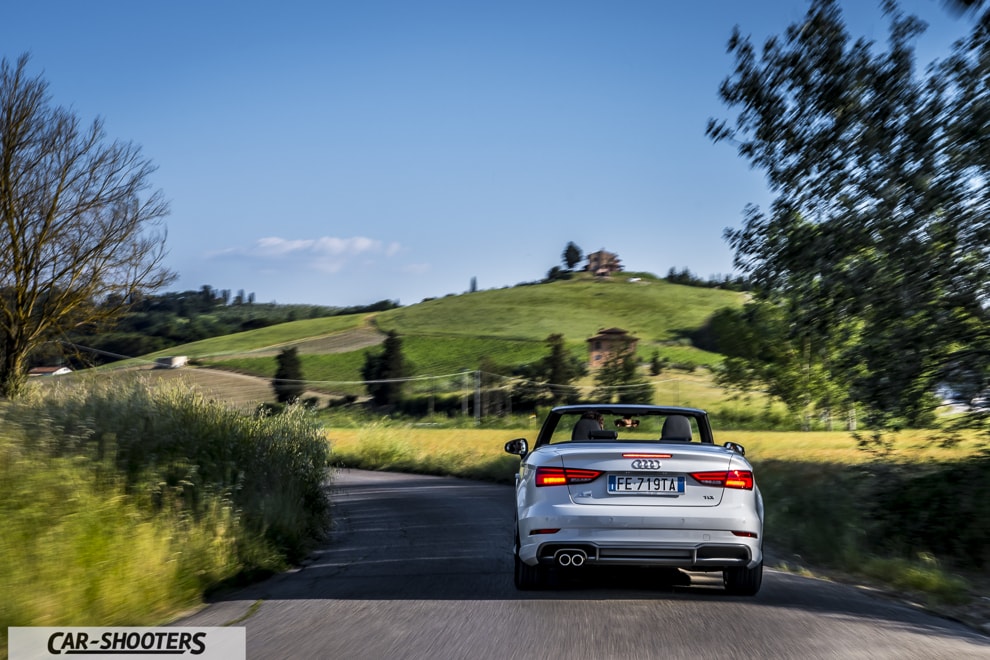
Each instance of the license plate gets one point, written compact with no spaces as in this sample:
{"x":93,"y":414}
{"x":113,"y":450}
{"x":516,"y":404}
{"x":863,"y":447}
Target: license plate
{"x":645,"y":484}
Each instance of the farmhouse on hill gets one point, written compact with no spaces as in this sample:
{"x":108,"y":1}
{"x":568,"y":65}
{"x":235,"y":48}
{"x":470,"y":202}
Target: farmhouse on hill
{"x":609,"y":342}
{"x":603,"y":263}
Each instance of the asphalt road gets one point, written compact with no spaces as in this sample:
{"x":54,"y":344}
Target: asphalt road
{"x":421,"y":567}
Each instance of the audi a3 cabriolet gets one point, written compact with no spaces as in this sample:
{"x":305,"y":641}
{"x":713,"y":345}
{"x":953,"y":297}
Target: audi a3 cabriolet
{"x":635,"y":485}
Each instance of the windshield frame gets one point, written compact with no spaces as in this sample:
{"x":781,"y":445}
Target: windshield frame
{"x":612,"y":412}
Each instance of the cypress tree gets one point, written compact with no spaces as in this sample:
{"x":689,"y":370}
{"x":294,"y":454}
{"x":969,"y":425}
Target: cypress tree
{"x":288,"y":383}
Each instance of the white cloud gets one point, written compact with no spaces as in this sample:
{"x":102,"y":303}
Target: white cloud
{"x":417,"y":269}
{"x":326,"y":254}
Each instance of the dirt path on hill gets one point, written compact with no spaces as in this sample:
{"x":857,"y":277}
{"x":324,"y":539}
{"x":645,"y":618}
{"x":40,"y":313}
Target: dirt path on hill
{"x":338,"y":342}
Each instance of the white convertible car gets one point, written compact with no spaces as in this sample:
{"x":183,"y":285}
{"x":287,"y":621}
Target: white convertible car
{"x":635,"y":485}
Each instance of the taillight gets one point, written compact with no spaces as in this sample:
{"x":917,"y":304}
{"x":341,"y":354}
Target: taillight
{"x":742,"y":479}
{"x":555,"y":476}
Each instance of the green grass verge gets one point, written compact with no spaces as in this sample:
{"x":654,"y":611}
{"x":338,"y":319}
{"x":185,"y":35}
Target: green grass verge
{"x":122,"y":505}
{"x":77,"y":547}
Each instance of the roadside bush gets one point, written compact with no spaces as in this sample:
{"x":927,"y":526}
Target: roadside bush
{"x":813,"y":509}
{"x":845,"y":514}
{"x":123,"y":505}
{"x":174,"y":449}
{"x":340,"y":402}
{"x":938,"y":509}
{"x":78,"y":550}
{"x":419,"y":405}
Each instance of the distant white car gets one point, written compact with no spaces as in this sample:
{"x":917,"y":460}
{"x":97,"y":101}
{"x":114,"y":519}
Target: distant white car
{"x":635,"y":485}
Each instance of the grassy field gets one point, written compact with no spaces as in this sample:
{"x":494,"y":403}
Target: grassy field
{"x":651,"y":309}
{"x":249,"y":384}
{"x":240,"y":392}
{"x":435,"y":356}
{"x":453,"y":334}
{"x":482,"y":449}
{"x":443,"y":338}
{"x":270,"y":338}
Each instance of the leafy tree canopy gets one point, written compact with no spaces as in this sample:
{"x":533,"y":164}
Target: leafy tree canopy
{"x":876,"y":246}
{"x":572,"y":255}
{"x":550,"y":380}
{"x":619,"y":379}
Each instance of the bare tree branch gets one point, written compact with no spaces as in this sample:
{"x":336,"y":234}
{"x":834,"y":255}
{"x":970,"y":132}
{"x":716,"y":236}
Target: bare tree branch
{"x":80,"y":228}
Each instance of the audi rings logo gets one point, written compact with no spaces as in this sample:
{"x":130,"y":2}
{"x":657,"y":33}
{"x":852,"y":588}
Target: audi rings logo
{"x":646,"y":464}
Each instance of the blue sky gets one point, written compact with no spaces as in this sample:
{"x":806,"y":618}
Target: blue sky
{"x":341,"y":153}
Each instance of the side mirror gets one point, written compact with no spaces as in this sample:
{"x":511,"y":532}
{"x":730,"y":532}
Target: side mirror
{"x":736,"y":447}
{"x":519,"y":447}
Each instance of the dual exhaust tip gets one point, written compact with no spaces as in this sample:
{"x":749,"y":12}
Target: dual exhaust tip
{"x":573,"y":558}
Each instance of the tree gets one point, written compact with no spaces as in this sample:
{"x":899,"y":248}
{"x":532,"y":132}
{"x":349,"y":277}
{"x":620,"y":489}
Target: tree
{"x":875,"y":244}
{"x":618,"y":379}
{"x":559,"y":369}
{"x":550,"y":380}
{"x":77,"y":239}
{"x":385,"y":373}
{"x":964,"y":6}
{"x":657,"y":364}
{"x":572,"y":255}
{"x":288,"y":382}
{"x":763,"y":352}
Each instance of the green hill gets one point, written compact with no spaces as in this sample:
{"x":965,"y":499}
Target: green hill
{"x":655,"y":311}
{"x":509,"y":326}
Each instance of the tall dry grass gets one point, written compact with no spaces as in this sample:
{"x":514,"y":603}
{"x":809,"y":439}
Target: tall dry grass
{"x":123,"y":505}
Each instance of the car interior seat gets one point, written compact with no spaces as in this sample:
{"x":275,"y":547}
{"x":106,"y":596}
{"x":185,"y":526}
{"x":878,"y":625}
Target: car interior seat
{"x":676,"y":428}
{"x":583,"y":428}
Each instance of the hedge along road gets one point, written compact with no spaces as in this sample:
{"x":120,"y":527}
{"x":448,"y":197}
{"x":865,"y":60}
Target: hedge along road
{"x":421,"y":567}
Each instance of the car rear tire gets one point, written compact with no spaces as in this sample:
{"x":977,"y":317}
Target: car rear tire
{"x":742,"y":581}
{"x":526,"y":577}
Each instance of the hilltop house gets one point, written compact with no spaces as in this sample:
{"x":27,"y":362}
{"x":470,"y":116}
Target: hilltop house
{"x":609,"y":342}
{"x":603,"y":264}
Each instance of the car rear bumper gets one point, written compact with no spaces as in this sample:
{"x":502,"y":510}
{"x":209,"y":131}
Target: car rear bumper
{"x":617,"y":542}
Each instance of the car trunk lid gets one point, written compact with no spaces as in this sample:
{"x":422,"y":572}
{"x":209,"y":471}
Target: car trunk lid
{"x":653,"y":475}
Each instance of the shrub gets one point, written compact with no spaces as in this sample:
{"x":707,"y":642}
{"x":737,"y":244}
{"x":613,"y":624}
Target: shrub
{"x":954,"y":520}
{"x":78,"y":550}
{"x":172,"y":447}
{"x":843,"y":514}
